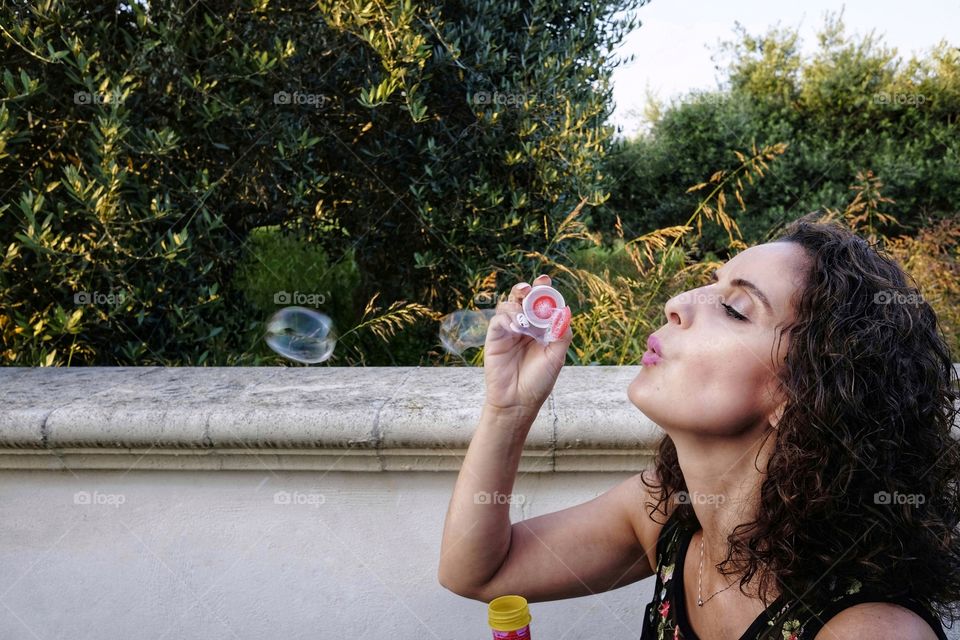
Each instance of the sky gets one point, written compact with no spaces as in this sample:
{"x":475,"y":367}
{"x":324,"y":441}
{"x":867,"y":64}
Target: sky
{"x":677,"y":38}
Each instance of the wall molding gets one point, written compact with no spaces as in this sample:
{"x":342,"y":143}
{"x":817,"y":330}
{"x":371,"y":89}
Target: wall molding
{"x":304,"y":419}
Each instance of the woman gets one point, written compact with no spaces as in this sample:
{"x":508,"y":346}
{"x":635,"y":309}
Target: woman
{"x":807,"y":401}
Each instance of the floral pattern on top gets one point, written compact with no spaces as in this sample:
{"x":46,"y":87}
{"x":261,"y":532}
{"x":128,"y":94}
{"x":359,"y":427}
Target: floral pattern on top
{"x":788,"y":623}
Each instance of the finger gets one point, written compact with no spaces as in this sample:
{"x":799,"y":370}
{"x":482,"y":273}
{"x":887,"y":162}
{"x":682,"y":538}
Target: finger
{"x":561,"y":327}
{"x":518,"y":291}
{"x":500,"y":326}
{"x":560,"y":344}
{"x":509,"y":308}
{"x":521,"y":289}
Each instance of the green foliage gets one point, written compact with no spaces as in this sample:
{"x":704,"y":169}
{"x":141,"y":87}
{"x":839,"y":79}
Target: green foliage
{"x":275,"y":264}
{"x":279,"y":270}
{"x":853,"y":106}
{"x":484,"y":127}
{"x":139,"y":148}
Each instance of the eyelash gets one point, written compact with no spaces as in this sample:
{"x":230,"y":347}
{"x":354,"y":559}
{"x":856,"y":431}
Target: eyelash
{"x":733,"y":313}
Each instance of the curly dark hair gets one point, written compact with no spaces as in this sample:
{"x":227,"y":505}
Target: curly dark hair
{"x":871,"y":399}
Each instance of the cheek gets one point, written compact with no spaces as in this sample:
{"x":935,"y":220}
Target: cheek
{"x":729,"y":400}
{"x":717,"y":393}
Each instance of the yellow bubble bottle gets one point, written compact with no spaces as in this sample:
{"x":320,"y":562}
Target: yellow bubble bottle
{"x":509,"y":617}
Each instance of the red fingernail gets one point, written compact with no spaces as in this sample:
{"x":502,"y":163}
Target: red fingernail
{"x":560,"y":323}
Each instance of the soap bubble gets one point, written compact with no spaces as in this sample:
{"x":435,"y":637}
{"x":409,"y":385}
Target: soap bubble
{"x":301,"y":334}
{"x":461,"y":330}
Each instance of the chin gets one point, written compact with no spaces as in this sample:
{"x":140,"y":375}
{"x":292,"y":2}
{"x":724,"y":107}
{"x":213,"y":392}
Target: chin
{"x":641,"y":401}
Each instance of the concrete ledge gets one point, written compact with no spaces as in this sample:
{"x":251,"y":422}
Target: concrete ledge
{"x":298,"y":418}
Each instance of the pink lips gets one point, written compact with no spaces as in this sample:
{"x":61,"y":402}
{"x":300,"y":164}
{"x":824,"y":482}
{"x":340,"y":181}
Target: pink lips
{"x":654,"y":352}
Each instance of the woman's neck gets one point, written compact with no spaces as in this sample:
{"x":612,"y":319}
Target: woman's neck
{"x":723,"y":484}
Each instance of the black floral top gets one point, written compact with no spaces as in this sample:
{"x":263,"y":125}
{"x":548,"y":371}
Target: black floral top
{"x":665,"y":617}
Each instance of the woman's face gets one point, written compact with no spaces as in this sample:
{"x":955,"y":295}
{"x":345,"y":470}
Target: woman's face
{"x":717,"y":376}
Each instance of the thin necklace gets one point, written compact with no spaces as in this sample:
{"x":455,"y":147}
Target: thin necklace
{"x":700,"y":600}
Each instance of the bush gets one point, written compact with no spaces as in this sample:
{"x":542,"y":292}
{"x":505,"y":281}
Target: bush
{"x":142,"y":143}
{"x":852,"y":107}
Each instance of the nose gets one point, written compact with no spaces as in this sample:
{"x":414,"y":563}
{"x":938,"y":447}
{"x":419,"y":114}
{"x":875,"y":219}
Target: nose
{"x":671,"y":309}
{"x":677,"y":309}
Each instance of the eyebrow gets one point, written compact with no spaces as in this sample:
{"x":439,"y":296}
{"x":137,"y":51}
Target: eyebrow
{"x":749,"y":286}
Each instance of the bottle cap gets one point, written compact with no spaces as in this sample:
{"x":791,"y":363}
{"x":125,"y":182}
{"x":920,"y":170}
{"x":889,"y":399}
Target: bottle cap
{"x":508,"y":613}
{"x":539,"y":303}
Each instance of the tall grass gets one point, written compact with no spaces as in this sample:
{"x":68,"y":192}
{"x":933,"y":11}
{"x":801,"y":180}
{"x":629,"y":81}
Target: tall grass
{"x":617,"y":291}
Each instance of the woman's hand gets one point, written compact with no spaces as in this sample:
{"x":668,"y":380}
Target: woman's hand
{"x":519,"y":371}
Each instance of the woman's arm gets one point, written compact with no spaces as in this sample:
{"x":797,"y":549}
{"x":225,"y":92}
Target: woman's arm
{"x":589,"y":548}
{"x":476,"y":531}
{"x":602,"y":544}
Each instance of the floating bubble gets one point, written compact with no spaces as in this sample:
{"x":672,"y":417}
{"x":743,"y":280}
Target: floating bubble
{"x":301,"y":334}
{"x":461,"y":330}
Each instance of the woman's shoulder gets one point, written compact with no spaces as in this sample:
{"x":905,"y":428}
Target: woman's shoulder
{"x":847,"y":609}
{"x":878,"y":620}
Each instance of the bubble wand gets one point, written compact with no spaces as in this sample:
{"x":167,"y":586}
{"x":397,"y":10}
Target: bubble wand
{"x":545,"y":316}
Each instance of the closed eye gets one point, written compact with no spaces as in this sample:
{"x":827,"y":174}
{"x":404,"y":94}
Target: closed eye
{"x":733,"y":313}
